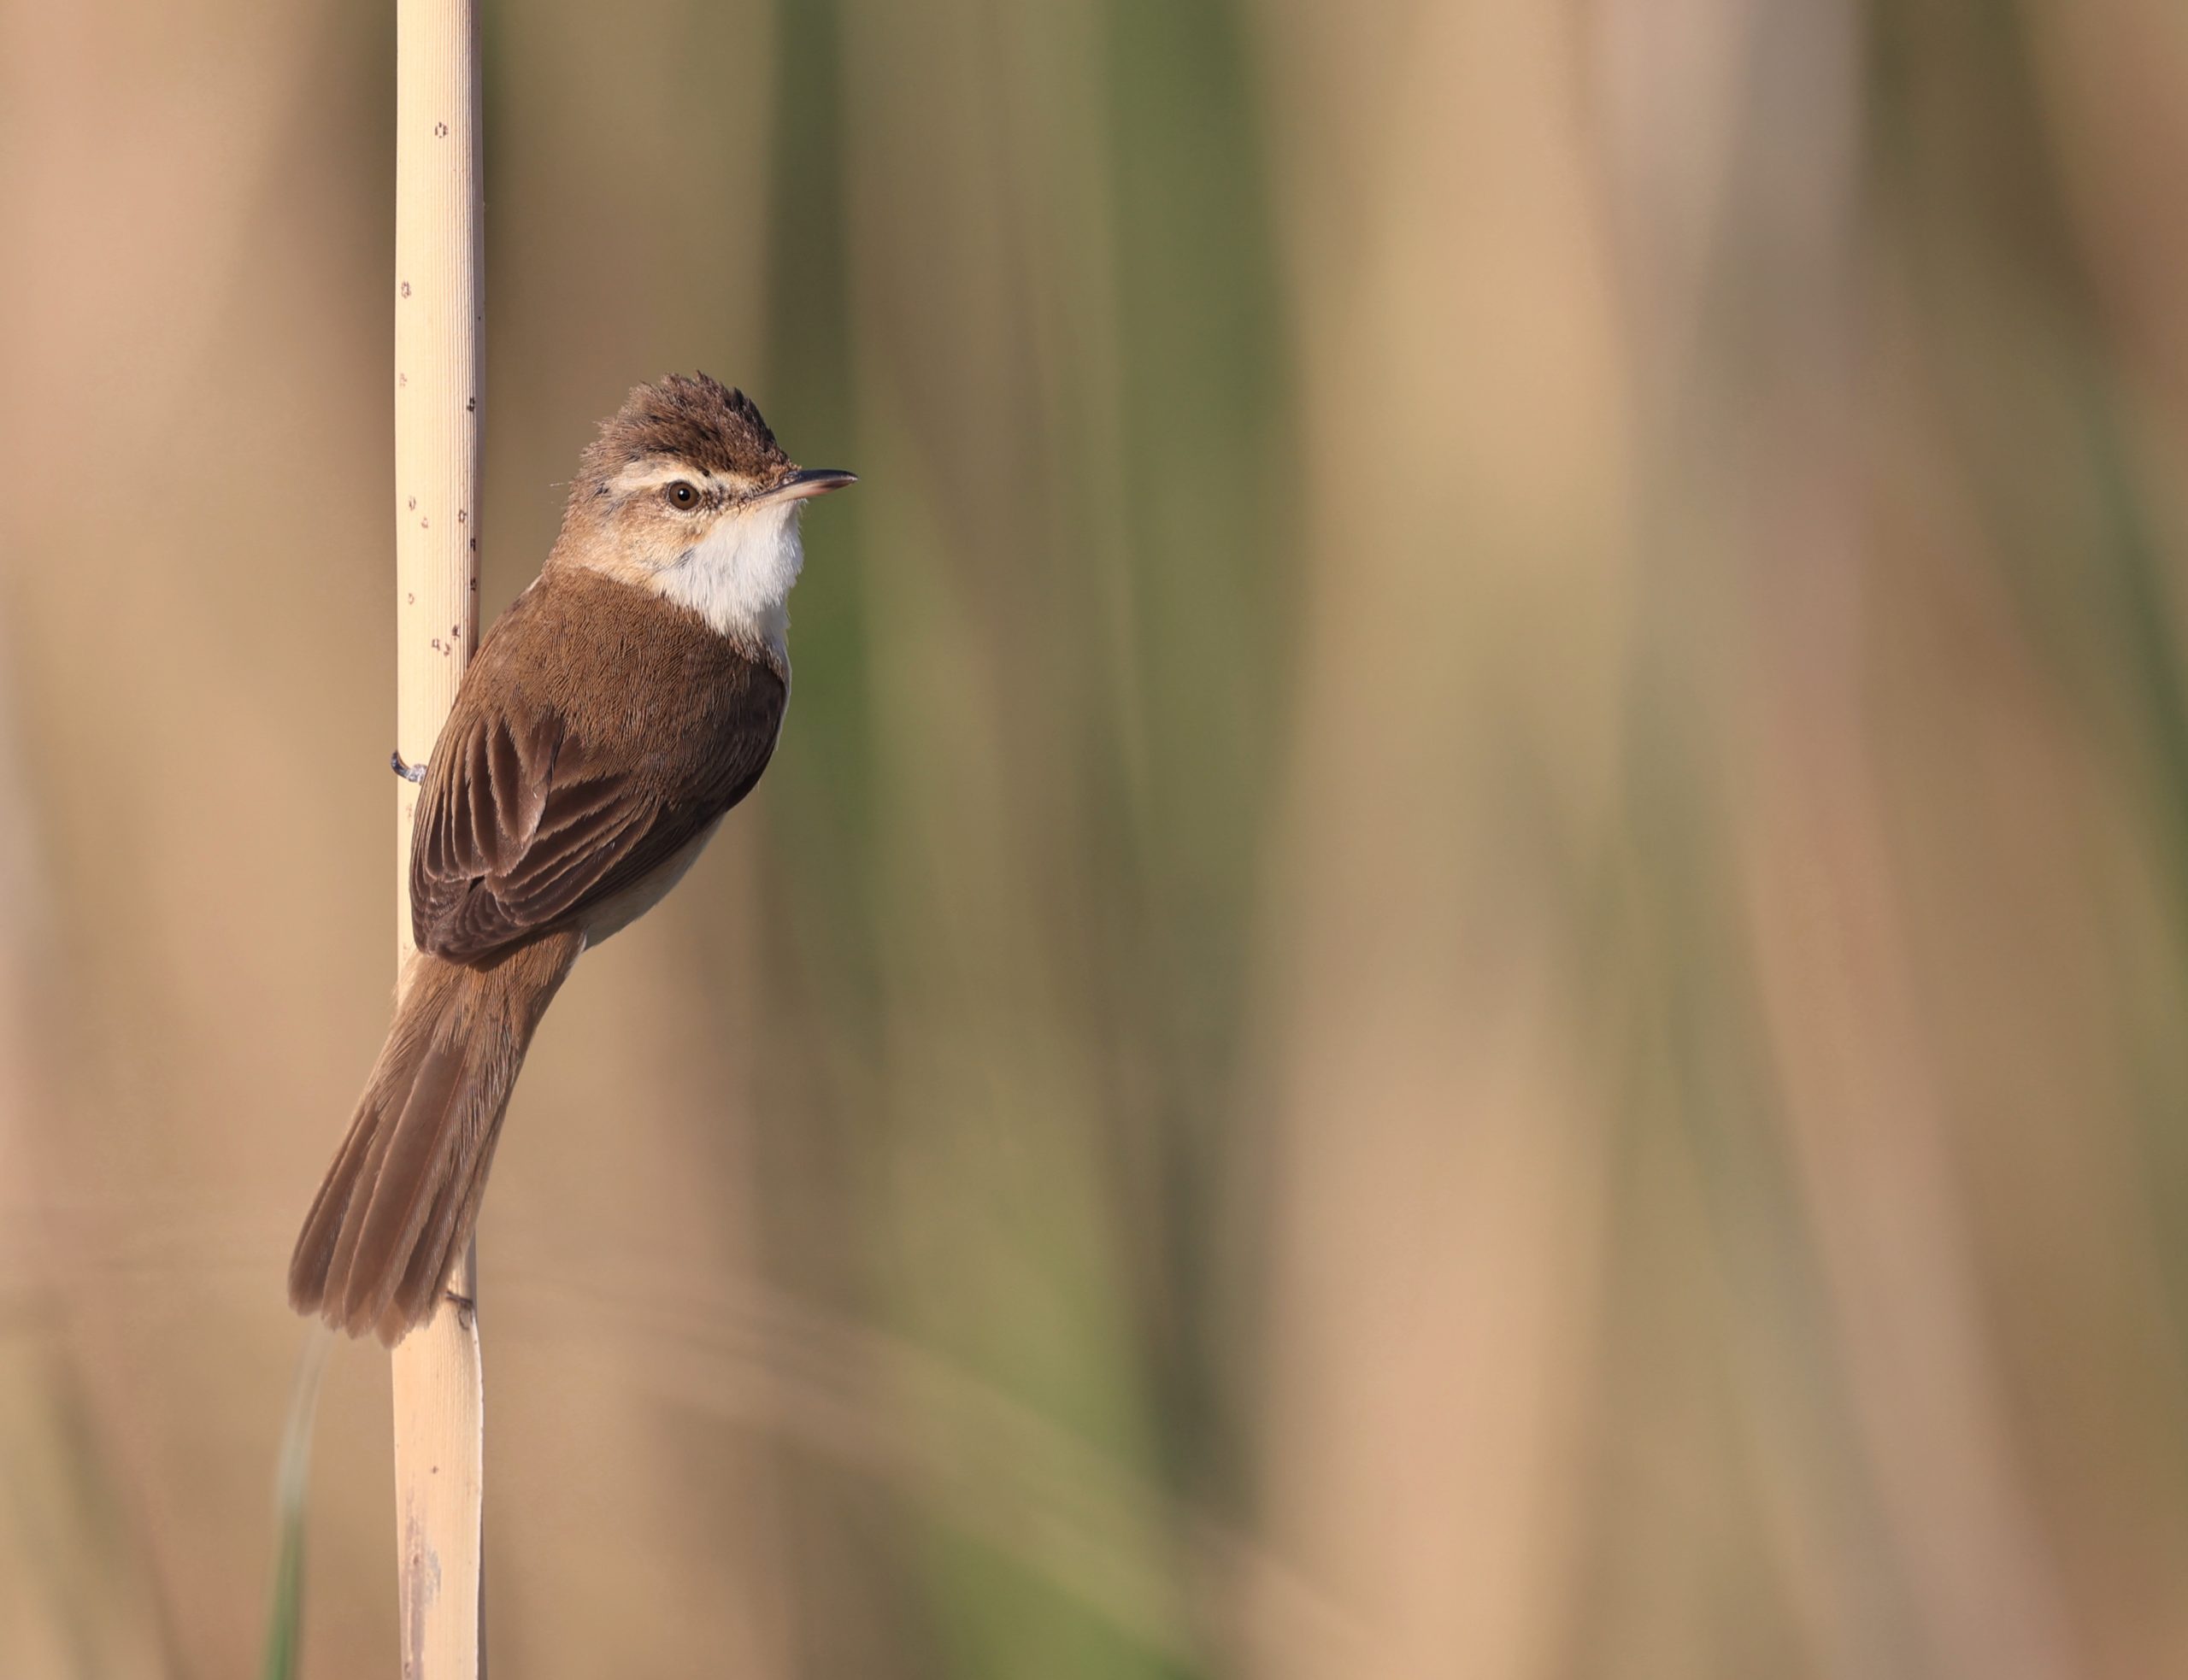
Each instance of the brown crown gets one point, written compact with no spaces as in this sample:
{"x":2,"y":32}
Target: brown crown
{"x":696,"y":420}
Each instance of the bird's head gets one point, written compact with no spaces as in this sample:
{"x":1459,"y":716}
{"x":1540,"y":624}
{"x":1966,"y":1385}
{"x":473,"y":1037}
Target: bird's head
{"x":686,"y":493}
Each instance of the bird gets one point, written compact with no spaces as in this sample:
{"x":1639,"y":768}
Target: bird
{"x":613,"y":714}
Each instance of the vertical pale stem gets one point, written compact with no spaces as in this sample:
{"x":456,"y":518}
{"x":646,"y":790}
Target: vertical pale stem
{"x":440,"y":1412}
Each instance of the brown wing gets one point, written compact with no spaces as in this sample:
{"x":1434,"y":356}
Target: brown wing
{"x":521,"y":828}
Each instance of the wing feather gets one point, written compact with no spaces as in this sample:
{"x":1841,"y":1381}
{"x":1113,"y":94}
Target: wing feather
{"x":524,"y":825}
{"x":506,"y":848}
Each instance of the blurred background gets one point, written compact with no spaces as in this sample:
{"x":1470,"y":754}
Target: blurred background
{"x":1469,"y":956}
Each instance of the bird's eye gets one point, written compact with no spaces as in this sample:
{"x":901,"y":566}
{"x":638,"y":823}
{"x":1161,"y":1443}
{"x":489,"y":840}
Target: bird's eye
{"x":682,"y":495}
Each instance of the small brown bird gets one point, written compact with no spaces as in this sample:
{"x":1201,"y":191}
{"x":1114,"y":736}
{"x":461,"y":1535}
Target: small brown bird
{"x":628,"y":698}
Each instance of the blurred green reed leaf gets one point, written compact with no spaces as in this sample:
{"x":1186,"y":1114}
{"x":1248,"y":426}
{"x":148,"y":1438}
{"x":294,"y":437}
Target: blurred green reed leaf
{"x":284,"y":1616}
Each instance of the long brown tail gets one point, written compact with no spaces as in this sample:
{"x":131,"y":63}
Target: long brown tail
{"x":399,"y":1202}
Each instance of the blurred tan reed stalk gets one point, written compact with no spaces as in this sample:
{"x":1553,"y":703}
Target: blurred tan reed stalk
{"x":439,"y":1404}
{"x":72,"y":1589}
{"x":1441,"y":1207}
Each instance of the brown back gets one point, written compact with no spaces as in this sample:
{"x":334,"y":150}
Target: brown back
{"x":600,"y":731}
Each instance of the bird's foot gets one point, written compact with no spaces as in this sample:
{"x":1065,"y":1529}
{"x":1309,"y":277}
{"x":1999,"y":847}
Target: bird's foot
{"x":410,"y":772}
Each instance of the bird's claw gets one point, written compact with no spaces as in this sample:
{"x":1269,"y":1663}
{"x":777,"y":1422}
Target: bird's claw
{"x":410,"y":772}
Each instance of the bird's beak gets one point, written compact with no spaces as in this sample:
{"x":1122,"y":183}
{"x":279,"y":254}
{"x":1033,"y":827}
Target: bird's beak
{"x":810,"y":481}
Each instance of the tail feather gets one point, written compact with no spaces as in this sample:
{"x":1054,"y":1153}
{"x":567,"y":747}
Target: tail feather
{"x":400,"y":1201}
{"x":425,"y":1143}
{"x":455,"y":1213}
{"x":315,"y":1255}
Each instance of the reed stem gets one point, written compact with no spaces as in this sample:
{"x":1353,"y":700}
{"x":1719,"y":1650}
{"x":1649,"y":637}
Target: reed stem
{"x":439,"y":1401}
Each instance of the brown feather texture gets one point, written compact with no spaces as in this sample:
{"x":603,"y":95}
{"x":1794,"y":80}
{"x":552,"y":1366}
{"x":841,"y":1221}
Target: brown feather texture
{"x":399,"y":1203}
{"x":692,"y":418}
{"x":597,"y":741}
{"x":551,"y":792}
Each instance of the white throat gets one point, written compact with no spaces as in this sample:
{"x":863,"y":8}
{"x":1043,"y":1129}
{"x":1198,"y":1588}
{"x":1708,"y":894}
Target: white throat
{"x":738,"y":577}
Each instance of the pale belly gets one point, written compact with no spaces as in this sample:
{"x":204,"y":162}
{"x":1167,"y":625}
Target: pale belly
{"x":616,"y":913}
